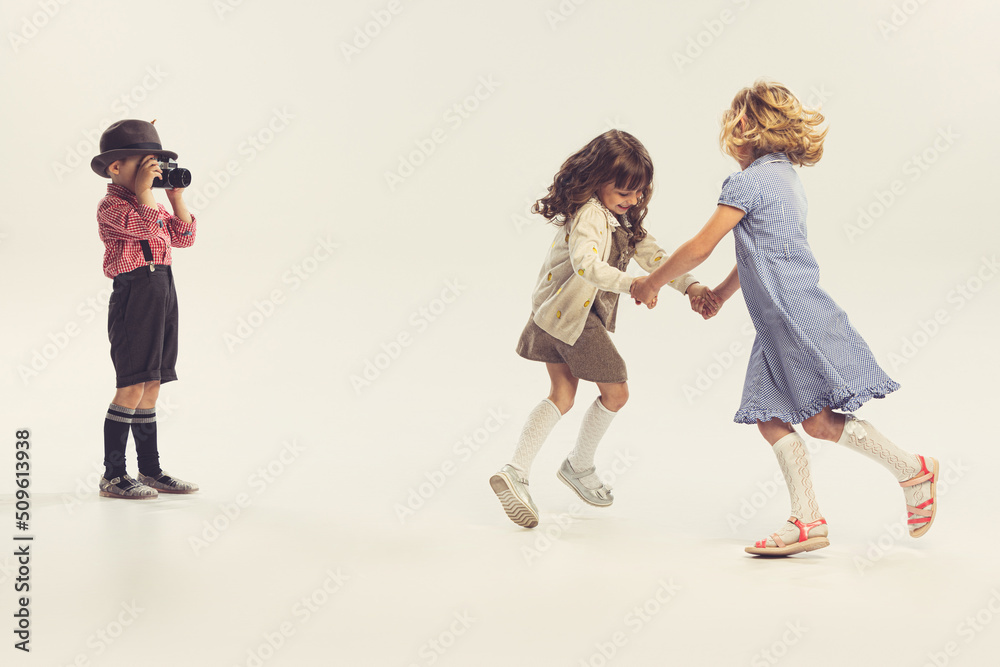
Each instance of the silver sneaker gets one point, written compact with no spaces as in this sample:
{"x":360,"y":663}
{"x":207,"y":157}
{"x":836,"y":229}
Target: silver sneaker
{"x":599,"y":497}
{"x":164,"y":483}
{"x":511,"y":488}
{"x":126,"y":487}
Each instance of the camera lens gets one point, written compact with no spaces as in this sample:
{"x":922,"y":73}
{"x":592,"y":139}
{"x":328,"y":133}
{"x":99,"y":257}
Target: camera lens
{"x":178,"y":178}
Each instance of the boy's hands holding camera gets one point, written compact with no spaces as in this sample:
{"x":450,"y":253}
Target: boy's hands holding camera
{"x":176,"y":197}
{"x":146,"y":172}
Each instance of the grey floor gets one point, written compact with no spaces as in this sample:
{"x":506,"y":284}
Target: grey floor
{"x":282,"y":568}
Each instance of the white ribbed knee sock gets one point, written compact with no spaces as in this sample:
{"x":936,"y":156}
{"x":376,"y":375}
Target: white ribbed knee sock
{"x":536,"y":429}
{"x":595,"y":424}
{"x":794,"y":462}
{"x":865,"y":438}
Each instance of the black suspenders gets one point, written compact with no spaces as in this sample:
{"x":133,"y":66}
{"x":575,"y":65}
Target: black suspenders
{"x":147,"y":253}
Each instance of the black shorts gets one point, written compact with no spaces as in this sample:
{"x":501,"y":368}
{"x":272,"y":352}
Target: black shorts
{"x":142,"y":326}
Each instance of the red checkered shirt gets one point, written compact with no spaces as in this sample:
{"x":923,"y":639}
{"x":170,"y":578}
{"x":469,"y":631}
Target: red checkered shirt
{"x":122,"y":222}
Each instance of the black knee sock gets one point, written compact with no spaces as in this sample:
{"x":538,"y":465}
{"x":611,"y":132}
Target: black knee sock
{"x":116,"y":424}
{"x":144,"y":434}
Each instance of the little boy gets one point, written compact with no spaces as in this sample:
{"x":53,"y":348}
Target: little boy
{"x":142,"y":313}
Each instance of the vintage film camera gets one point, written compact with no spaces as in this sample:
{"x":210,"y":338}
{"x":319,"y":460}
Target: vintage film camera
{"x":173,"y":176}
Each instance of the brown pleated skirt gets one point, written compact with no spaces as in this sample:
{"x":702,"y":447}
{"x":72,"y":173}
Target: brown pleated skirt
{"x":593,"y":358}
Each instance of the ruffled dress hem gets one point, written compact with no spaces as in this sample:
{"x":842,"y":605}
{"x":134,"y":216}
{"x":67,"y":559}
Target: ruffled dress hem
{"x":843,"y":399}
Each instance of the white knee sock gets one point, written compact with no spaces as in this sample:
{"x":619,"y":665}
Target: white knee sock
{"x":863,"y":437}
{"x":536,"y":429}
{"x":595,"y":425}
{"x":794,"y":462}
{"x":866,"y":439}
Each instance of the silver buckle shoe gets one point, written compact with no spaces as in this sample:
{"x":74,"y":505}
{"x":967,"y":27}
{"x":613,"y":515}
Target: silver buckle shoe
{"x":164,"y":483}
{"x":126,"y":487}
{"x":512,"y":489}
{"x":599,"y":497}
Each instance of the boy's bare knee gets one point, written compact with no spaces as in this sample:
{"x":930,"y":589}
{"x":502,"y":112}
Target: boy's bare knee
{"x":129,"y":397}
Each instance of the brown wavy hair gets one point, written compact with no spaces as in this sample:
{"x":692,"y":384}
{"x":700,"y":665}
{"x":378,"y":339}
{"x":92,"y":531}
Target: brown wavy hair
{"x":768,"y":118}
{"x":614,"y":156}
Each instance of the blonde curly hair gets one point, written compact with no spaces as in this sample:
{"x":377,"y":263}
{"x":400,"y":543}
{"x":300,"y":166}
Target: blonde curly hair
{"x":767,"y":118}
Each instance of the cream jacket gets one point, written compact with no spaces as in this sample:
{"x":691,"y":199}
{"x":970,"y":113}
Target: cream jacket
{"x":576,"y":266}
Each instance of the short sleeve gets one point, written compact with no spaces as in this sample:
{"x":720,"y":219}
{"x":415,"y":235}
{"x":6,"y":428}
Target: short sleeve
{"x":740,"y":190}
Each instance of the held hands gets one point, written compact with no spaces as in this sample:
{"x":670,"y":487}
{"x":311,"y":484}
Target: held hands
{"x":704,"y":301}
{"x":643,"y":292}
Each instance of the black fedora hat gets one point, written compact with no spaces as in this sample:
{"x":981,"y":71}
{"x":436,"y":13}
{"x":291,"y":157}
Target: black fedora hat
{"x":125,"y":138}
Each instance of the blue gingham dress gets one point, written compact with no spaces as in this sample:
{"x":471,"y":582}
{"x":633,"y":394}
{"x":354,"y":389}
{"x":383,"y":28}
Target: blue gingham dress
{"x":806,"y":355}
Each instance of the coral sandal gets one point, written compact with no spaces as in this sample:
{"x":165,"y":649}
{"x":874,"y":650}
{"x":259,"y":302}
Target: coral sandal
{"x":805,"y":542}
{"x":923,"y":513}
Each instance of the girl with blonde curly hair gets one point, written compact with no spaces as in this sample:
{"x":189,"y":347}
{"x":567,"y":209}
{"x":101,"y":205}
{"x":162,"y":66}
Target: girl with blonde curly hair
{"x":598,"y":199}
{"x":807,"y":360}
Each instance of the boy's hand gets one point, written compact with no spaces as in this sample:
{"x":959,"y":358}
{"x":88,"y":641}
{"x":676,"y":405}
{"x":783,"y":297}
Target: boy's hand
{"x":176,"y":197}
{"x":146,"y":172}
{"x":642,"y":292}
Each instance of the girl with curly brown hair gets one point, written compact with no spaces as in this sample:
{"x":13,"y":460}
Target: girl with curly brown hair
{"x":598,"y":200}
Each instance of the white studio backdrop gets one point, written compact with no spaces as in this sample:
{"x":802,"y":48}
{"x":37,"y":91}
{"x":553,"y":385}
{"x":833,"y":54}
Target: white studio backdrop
{"x":365,"y":255}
